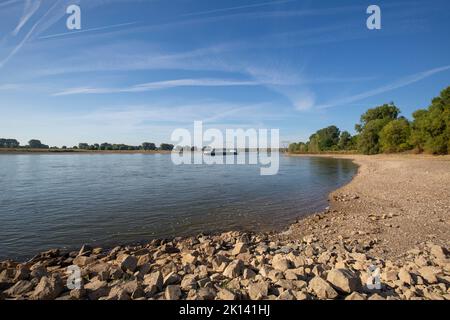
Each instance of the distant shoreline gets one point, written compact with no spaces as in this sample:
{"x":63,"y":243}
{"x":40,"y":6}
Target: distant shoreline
{"x":79,"y":151}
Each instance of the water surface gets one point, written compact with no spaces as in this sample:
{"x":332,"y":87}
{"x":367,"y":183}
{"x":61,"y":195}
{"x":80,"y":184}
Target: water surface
{"x":65,"y":200}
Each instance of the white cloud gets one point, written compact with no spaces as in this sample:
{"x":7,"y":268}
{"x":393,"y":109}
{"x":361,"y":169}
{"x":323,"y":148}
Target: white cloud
{"x":160,"y":85}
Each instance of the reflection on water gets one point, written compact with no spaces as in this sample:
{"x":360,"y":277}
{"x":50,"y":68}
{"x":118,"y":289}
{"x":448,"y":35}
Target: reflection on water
{"x":49,"y":201}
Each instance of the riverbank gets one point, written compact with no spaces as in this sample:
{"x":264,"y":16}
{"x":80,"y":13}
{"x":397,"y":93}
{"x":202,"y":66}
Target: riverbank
{"x":78,"y":151}
{"x":393,"y":216}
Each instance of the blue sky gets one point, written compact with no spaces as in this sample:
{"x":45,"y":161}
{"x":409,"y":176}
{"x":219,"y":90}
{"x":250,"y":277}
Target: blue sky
{"x":138,"y":69}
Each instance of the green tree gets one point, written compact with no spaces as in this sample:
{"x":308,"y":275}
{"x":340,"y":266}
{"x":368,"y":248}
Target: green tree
{"x":166,"y":147}
{"x":386,"y":111}
{"x":9,"y":143}
{"x":395,"y":136}
{"x":345,"y":141}
{"x":293,"y":147}
{"x":371,"y":124}
{"x":148,"y":146}
{"x":431,"y":127}
{"x":36,"y":144}
{"x":368,"y":141}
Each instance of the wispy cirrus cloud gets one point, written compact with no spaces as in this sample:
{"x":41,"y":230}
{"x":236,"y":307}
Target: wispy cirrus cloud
{"x":159,"y":85}
{"x":227,"y":9}
{"x":403,"y":82}
{"x":30,"y":8}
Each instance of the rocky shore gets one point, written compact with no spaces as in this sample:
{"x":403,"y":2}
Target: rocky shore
{"x":335,"y":254}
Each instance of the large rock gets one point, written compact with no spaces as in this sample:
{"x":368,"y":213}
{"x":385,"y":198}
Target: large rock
{"x":38,"y":272}
{"x":405,"y":277}
{"x":20,"y":288}
{"x":97,"y":289}
{"x":280,"y":262}
{"x":128,"y":263}
{"x":438,"y":251}
{"x":171,"y":278}
{"x":258,"y":290}
{"x":429,"y":274}
{"x":172,"y":292}
{"x":48,"y":288}
{"x":322,"y":289}
{"x":344,"y":280}
{"x":189,"y":282}
{"x":154,"y":281}
{"x":234,"y":269}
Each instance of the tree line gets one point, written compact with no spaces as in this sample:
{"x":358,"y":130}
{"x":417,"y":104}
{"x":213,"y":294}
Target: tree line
{"x":383,"y":130}
{"x":36,"y":144}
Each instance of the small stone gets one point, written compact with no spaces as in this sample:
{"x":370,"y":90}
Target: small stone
{"x":355,"y":296}
{"x":248,"y":274}
{"x":172,"y":292}
{"x":258,"y":290}
{"x":376,"y":296}
{"x":234,"y":269}
{"x":85,"y":250}
{"x":188,"y":259}
{"x":290,"y":275}
{"x":118,"y":293}
{"x":206,"y":294}
{"x":77,"y":293}
{"x":300,"y":295}
{"x":225,"y":294}
{"x":322,"y":288}
{"x":286,"y":295}
{"x":390,"y":275}
{"x":240,"y":247}
{"x":83,"y":261}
